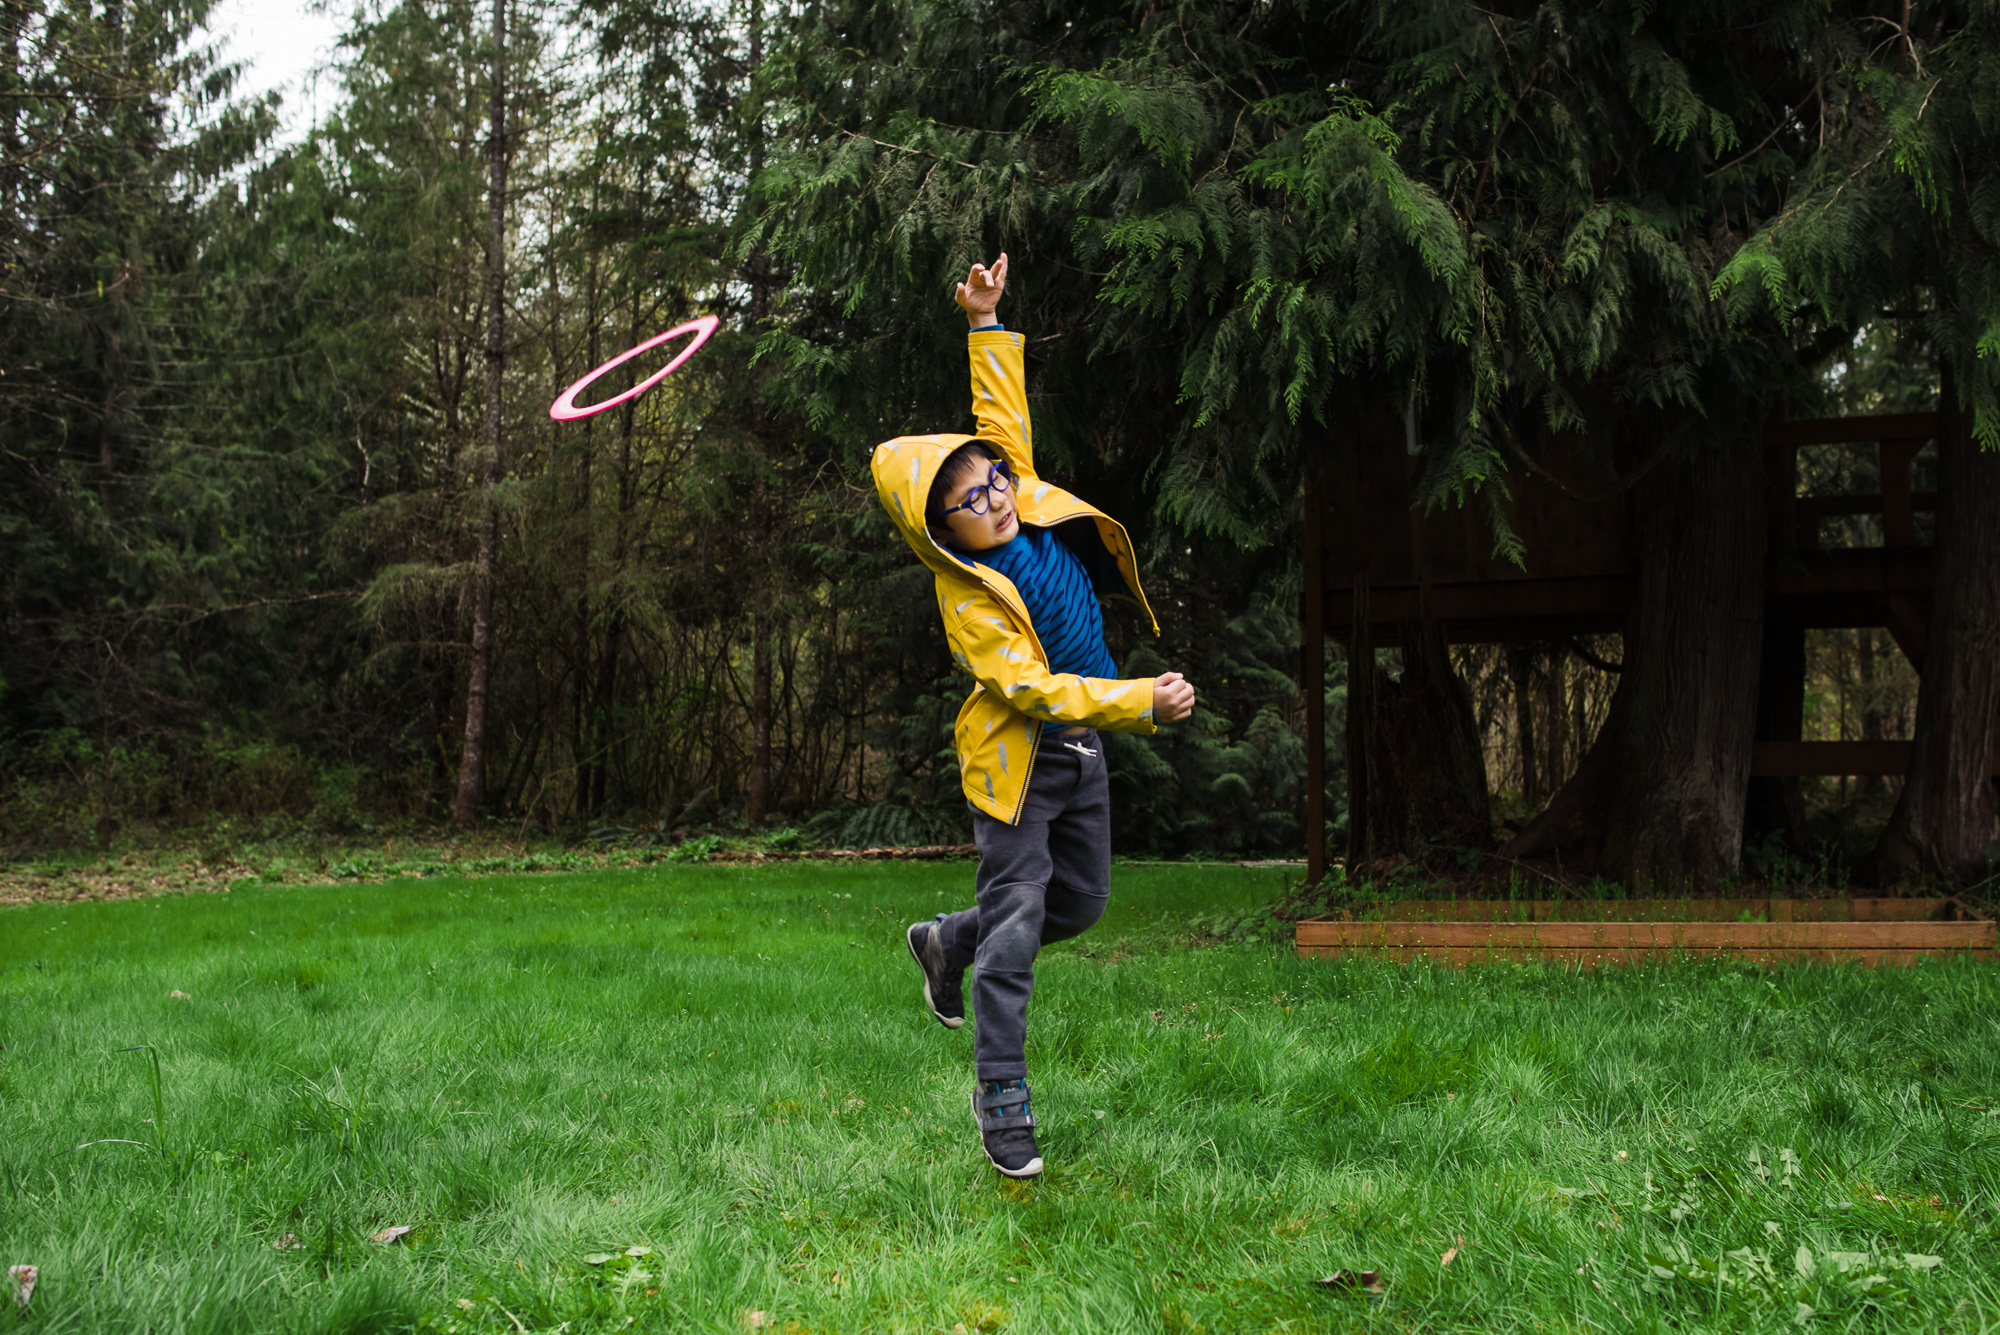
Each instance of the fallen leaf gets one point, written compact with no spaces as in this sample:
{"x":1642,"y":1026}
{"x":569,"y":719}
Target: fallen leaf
{"x":755,"y":1320}
{"x":391,"y":1233}
{"x":599,"y":1258}
{"x":638,"y":1251}
{"x":286,"y":1242}
{"x":465,"y":1304}
{"x":1452,"y":1250}
{"x":1368,"y":1281}
{"x":23,"y":1279}
{"x":178,"y":995}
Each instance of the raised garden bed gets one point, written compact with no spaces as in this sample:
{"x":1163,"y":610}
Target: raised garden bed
{"x":1590,"y":932}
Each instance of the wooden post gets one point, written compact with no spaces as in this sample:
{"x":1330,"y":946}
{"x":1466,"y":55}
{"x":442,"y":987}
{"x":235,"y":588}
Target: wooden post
{"x":1899,"y":525}
{"x":1312,"y":683}
{"x":1360,"y":715}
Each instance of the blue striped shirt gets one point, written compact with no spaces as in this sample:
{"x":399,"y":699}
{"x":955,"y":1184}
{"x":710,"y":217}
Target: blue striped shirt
{"x":1062,"y":605}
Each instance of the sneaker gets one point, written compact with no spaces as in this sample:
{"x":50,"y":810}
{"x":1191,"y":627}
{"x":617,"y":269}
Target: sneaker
{"x":1006,"y":1127}
{"x":944,"y":990}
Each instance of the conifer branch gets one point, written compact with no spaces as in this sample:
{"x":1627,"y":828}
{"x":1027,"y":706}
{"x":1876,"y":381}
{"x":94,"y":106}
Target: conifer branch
{"x":1791,"y":118}
{"x":899,"y":148}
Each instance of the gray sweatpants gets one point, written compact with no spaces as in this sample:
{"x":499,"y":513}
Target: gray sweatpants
{"x":1045,"y":879}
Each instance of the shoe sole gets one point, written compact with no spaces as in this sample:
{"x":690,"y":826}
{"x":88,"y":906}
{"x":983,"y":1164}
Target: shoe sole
{"x":1032,"y":1168}
{"x":909,"y":939}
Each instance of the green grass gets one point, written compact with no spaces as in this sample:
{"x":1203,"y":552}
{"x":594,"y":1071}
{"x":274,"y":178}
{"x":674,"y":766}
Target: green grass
{"x":731,"y":1066}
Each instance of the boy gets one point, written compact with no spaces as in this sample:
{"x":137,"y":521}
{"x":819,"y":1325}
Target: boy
{"x":1020,"y":565}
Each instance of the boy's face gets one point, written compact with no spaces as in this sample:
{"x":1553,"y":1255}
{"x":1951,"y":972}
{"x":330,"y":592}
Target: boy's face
{"x":981,"y":533}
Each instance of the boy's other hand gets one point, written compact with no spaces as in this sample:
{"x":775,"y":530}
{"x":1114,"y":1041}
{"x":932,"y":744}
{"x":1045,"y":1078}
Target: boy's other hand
{"x":980,"y":293}
{"x":1173,"y":698}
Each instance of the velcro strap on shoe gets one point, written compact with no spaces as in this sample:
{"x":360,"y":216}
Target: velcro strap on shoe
{"x":1002,"y":1098}
{"x":1006,"y":1123}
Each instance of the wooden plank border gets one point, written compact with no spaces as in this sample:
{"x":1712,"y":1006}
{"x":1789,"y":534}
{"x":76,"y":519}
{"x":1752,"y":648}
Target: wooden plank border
{"x":1857,"y":909}
{"x":1879,"y":942}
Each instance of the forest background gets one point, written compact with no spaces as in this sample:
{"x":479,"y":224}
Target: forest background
{"x":287,"y":537}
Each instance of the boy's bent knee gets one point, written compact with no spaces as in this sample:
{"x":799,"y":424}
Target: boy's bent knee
{"x":1010,"y":929}
{"x":1071,"y":914}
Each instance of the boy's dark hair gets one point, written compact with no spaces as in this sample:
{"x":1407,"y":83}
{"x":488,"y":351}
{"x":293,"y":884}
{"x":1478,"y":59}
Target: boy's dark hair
{"x":971,"y":457}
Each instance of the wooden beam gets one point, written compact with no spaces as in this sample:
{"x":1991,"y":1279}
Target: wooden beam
{"x":1851,"y":430}
{"x":1899,"y":525}
{"x":1907,"y":626}
{"x":1829,"y":758}
{"x":1837,"y":758}
{"x":1862,"y":503}
{"x":1360,"y":718}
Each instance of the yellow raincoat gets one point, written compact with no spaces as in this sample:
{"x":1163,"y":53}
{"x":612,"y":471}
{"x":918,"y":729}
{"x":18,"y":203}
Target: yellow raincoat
{"x":1015,"y":694}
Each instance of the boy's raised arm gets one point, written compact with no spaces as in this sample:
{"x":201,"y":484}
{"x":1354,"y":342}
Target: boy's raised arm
{"x":999,"y":385}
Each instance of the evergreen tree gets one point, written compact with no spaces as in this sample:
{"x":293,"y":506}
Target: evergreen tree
{"x":1267,"y":223}
{"x":123,"y":518}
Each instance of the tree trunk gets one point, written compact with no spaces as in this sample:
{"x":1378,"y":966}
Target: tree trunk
{"x":1871,"y":703}
{"x":1520,"y":675}
{"x":605,"y":715}
{"x":472,"y":760}
{"x":1944,"y":818}
{"x":759,"y":805}
{"x":1692,"y":643}
{"x":1555,"y":762}
{"x":584,"y":578}
{"x":1428,"y":791}
{"x":1659,"y":797}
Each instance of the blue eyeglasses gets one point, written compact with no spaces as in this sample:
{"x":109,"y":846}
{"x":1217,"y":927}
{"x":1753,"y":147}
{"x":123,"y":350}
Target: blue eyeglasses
{"x":980,"y":499}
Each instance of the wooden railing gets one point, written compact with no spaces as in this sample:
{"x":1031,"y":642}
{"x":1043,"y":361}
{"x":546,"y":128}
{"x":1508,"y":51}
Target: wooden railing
{"x":1900,"y":436}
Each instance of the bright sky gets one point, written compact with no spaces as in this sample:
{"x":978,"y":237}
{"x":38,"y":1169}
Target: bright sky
{"x":281,"y":42}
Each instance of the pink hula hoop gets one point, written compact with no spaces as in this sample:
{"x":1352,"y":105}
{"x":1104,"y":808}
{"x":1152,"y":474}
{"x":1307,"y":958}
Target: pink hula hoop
{"x":564,"y":409}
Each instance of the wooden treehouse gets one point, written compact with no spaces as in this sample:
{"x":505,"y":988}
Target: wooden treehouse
{"x":1371,"y":557}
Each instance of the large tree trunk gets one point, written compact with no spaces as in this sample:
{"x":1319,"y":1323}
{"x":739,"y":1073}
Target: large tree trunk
{"x":1428,"y":782}
{"x":1659,"y":797}
{"x":1945,"y":817}
{"x":1692,"y":646}
{"x":472,"y":760}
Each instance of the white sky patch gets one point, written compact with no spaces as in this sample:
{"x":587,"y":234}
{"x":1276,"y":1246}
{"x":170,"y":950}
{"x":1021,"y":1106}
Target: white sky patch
{"x":281,"y":43}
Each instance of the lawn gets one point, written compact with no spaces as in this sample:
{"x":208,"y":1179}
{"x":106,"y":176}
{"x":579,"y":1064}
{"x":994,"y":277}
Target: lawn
{"x":708,"y":1098}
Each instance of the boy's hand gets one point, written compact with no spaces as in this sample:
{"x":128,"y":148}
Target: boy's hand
{"x":1173,"y":698}
{"x":980,"y":293}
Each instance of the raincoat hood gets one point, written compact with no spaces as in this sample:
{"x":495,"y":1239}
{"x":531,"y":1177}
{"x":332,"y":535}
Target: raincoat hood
{"x":905,"y":470}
